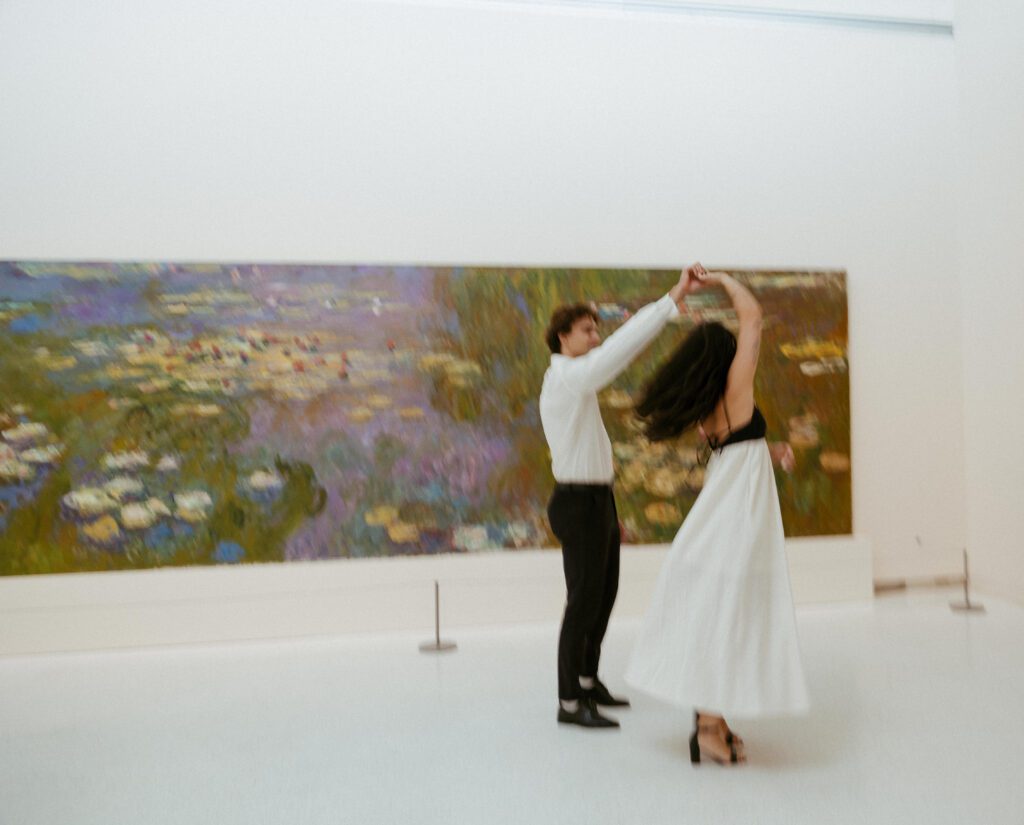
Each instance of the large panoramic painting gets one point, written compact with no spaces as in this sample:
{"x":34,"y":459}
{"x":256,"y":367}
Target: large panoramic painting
{"x":184,"y":414}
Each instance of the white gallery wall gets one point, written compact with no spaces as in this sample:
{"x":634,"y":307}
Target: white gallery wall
{"x":990,"y":64}
{"x":495,"y":134}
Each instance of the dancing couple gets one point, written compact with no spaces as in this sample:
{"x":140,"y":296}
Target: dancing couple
{"x":719,"y":635}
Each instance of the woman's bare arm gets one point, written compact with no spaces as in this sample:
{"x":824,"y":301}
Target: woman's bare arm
{"x":739,"y":388}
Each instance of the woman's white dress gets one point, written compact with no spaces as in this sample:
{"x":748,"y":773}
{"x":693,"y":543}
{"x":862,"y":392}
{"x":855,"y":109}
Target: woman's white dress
{"x":720,"y":633}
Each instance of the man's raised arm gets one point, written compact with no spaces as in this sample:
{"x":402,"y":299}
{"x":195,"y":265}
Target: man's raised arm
{"x":603,"y":364}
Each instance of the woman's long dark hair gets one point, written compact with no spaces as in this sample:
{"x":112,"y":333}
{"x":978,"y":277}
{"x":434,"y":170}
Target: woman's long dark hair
{"x":687,"y":387}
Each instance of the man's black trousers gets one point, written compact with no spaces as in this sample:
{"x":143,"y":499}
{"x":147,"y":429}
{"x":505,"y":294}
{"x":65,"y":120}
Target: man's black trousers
{"x":584,"y":519}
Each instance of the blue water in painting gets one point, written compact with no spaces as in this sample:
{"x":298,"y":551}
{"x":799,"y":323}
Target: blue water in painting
{"x":228,"y":552}
{"x":26,"y":323}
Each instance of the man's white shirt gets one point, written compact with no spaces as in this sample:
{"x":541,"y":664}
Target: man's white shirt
{"x":581,"y":451}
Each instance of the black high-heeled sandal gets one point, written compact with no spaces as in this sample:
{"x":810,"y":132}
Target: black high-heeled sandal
{"x":695,"y":744}
{"x":732,"y":738}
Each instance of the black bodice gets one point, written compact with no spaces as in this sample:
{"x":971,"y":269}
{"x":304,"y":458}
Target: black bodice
{"x":756,"y":429}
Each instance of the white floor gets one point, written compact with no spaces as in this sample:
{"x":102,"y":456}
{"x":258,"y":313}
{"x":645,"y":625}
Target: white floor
{"x":918,"y":718}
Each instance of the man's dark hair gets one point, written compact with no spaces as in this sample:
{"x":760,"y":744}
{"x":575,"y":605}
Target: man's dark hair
{"x":562,"y":320}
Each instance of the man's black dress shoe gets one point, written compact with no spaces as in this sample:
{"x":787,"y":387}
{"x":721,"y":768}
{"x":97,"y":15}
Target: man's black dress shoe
{"x":586,"y":715}
{"x":600,"y":695}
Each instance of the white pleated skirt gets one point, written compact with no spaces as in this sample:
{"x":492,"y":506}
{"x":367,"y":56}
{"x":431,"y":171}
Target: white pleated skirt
{"x":720,"y":633}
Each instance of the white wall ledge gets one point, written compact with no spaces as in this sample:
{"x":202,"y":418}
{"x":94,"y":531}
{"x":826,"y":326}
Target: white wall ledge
{"x":90,"y":611}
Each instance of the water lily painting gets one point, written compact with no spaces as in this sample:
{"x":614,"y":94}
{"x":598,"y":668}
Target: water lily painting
{"x":156,"y":414}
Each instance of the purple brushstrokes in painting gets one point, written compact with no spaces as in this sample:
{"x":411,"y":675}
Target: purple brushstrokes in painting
{"x":465,"y":465}
{"x":103,"y":304}
{"x":315,"y":540}
{"x":457,"y":455}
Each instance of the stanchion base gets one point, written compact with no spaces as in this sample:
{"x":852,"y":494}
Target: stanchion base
{"x":437,"y":647}
{"x":966,"y":607}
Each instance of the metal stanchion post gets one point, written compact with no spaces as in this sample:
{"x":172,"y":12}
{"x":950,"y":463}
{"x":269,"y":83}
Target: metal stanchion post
{"x":966,"y":604}
{"x":437,"y":646}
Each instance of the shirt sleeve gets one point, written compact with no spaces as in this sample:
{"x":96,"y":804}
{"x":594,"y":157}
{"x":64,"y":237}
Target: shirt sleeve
{"x":603,"y":364}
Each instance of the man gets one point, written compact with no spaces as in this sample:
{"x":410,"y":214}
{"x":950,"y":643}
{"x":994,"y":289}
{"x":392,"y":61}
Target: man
{"x":582,"y":508}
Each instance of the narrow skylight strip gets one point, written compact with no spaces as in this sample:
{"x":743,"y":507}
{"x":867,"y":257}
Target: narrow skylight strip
{"x":927,"y":25}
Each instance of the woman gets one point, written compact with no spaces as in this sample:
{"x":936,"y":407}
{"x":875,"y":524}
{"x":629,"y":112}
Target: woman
{"x":720,"y":634}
